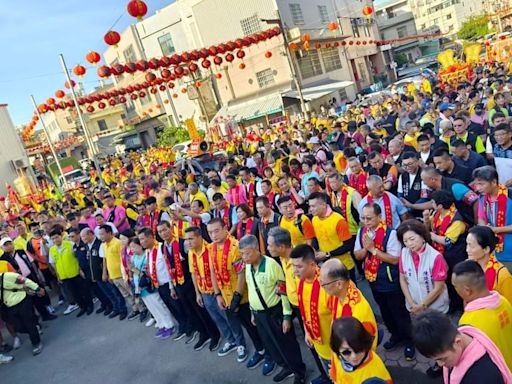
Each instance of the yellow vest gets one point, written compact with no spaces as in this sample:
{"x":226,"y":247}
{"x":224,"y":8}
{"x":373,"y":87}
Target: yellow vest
{"x":66,"y":264}
{"x":372,"y":368}
{"x":296,"y":235}
{"x":496,"y":324}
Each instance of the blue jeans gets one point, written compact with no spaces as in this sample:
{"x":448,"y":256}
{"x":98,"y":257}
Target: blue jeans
{"x":113,"y":294}
{"x":219,"y":316}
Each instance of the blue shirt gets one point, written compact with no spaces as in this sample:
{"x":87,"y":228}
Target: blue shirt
{"x":503,"y":153}
{"x":474,"y":161}
{"x":397,"y":208}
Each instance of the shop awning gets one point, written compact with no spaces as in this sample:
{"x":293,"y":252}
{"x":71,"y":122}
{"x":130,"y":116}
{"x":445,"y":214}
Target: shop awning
{"x":317,"y":91}
{"x":252,"y":108}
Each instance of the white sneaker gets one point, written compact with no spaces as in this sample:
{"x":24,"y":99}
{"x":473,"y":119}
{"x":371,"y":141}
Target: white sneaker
{"x":4,"y":359}
{"x":241,"y":354}
{"x":71,"y":308}
{"x":95,"y":300}
{"x":50,"y":309}
{"x":150,"y":322}
{"x":16,"y":343}
{"x":39,"y":329}
{"x":60,"y":303}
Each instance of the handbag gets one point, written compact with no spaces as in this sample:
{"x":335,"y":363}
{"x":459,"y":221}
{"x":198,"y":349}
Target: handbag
{"x":146,"y":283}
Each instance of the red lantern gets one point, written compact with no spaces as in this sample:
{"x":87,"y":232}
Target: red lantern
{"x":218,"y":75}
{"x":73,"y":83}
{"x":79,"y":70}
{"x":239,"y":43}
{"x":185,"y":56}
{"x":179,"y":71}
{"x":343,"y":43}
{"x":133,"y":96}
{"x":318,"y":45}
{"x":193,"y":67}
{"x":122,"y":99}
{"x":365,"y":42}
{"x":327,"y":45}
{"x":112,"y":102}
{"x":230,"y":46}
{"x":240,"y":54}
{"x":153,"y":91}
{"x":154,"y":63}
{"x":198,"y":84}
{"x":93,"y":57}
{"x":165,"y":62}
{"x":305,"y":37}
{"x":336,"y":44}
{"x":229,"y":58}
{"x":212,"y":50}
{"x":333,"y":26}
{"x":112,"y":38}
{"x":102,"y":105}
{"x":221,"y":48}
{"x":166,"y":101}
{"x":293,"y":46}
{"x":142,"y":65}
{"x":183,"y":90}
{"x":150,"y":77}
{"x":246,"y":41}
{"x":242,"y":66}
{"x":358,"y":42}
{"x":142,"y":94}
{"x":117,"y":69}
{"x":503,"y":37}
{"x":60,"y":93}
{"x":175,"y":95}
{"x":350,"y":42}
{"x":206,"y":63}
{"x":171,"y":85}
{"x":137,"y":8}
{"x":166,"y":74}
{"x":150,"y":110}
{"x":104,"y":71}
{"x":194,"y":55}
{"x":50,"y":101}
{"x":268,"y":54}
{"x":204,"y":53}
{"x":90,"y":109}
{"x":175,"y":59}
{"x":130,"y":67}
{"x":217,"y":60}
{"x":70,"y":103}
{"x":367,"y":11}
{"x":162,"y":87}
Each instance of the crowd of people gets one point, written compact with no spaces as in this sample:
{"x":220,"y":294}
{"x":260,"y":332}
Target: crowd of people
{"x":269,"y":247}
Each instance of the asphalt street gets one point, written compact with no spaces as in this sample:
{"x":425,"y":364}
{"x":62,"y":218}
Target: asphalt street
{"x":97,"y":350}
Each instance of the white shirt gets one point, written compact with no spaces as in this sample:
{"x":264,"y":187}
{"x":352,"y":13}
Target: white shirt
{"x":393,"y":246}
{"x":425,"y":156}
{"x":111,"y":225}
{"x":162,"y":273}
{"x":205,"y":218}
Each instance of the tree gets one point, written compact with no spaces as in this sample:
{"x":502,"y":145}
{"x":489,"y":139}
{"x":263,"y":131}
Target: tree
{"x":400,"y":59}
{"x":474,"y":28}
{"x":172,"y":135}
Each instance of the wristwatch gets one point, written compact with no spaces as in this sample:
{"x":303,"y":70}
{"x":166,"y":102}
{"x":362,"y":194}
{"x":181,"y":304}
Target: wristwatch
{"x":374,"y":252}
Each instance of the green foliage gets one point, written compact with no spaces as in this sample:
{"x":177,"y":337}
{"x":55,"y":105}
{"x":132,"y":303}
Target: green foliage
{"x":172,"y":135}
{"x":400,"y":59}
{"x":474,"y":28}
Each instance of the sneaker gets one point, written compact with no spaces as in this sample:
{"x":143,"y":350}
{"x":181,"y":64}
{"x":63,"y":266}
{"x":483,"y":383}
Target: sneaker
{"x":167,"y":333}
{"x":143,"y":316}
{"x":100,"y":310}
{"x":409,"y":353}
{"x":214,"y":344}
{"x":49,"y":317}
{"x":16,"y":342}
{"x":319,"y":380}
{"x":4,"y":359}
{"x":5,"y":348}
{"x":81,"y":313}
{"x":201,"y":343}
{"x":112,"y":315}
{"x":133,"y":315}
{"x":108,"y":311}
{"x":256,"y":360}
{"x":50,"y":309}
{"x":159,"y":333}
{"x":300,"y":380}
{"x":283,"y":374}
{"x":434,"y":371}
{"x":37,"y":349}
{"x":390,"y":344}
{"x":268,"y":367}
{"x":61,"y":301}
{"x":241,"y":354}
{"x":192,"y":337}
{"x":94,"y":300}
{"x":39,"y":329}
{"x":179,"y":335}
{"x":90,"y":310}
{"x":227,"y":348}
{"x":71,"y":308}
{"x":123,"y":315}
{"x":150,"y":322}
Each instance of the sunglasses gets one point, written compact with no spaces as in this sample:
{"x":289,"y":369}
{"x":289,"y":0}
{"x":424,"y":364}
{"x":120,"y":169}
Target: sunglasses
{"x":346,"y":352}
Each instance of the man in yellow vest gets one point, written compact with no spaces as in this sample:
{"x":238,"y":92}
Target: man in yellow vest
{"x":296,"y":222}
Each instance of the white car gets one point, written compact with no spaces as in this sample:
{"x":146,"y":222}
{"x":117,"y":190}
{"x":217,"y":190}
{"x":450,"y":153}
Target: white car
{"x":180,"y":149}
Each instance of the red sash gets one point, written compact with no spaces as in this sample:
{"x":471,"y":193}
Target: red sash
{"x":180,"y":228}
{"x":248,"y":228}
{"x":196,"y":222}
{"x":359,"y":183}
{"x":387,"y":208}
{"x":154,"y":254}
{"x":271,"y":197}
{"x":206,"y":283}
{"x":313,"y":324}
{"x":250,"y":196}
{"x":222,"y":275}
{"x":372,"y":263}
{"x":154,"y":221}
{"x":491,"y":272}
{"x":501,"y":212}
{"x":234,"y":194}
{"x":177,"y":275}
{"x":226,"y":215}
{"x":342,"y":202}
{"x":440,"y":227}
{"x":352,"y":298}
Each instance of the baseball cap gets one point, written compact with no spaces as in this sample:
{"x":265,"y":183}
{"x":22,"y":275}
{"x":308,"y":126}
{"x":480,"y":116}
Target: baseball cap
{"x":314,"y":140}
{"x":5,"y":240}
{"x":444,"y":106}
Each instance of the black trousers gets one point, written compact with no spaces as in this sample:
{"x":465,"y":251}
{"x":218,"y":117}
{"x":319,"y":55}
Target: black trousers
{"x":283,"y":347}
{"x":319,"y":365}
{"x":23,"y":318}
{"x":78,"y":288}
{"x":395,"y":315}
{"x":175,"y":307}
{"x":95,"y":290}
{"x":243,"y":316}
{"x":40,"y":303}
{"x":198,"y":317}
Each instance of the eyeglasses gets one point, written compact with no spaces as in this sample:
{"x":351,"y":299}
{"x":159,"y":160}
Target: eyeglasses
{"x":367,"y":218}
{"x":408,"y":164}
{"x":330,"y":282}
{"x":346,"y":352}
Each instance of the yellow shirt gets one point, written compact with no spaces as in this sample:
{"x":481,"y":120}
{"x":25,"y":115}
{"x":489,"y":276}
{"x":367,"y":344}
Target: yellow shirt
{"x":330,"y":232}
{"x":372,"y":368}
{"x":496,"y":323}
{"x":5,"y":266}
{"x":20,"y":244}
{"x":412,"y":140}
{"x":203,"y":198}
{"x":228,"y":289}
{"x":324,"y":313}
{"x":113,"y":256}
{"x":291,"y":281}
{"x":298,"y":237}
{"x":201,"y":273}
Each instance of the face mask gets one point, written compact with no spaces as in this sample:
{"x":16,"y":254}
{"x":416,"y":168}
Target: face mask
{"x":479,"y":113}
{"x":349,"y":367}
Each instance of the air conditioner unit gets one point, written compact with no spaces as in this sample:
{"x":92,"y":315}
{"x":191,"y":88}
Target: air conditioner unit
{"x":20,"y":163}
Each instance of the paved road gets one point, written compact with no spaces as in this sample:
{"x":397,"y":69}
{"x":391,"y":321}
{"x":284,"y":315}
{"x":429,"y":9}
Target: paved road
{"x":97,"y":350}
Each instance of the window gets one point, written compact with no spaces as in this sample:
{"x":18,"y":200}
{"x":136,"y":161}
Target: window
{"x":251,"y":25}
{"x":265,"y":78}
{"x":448,"y":16}
{"x":362,"y":72}
{"x":69,"y":120}
{"x":309,"y":64}
{"x":297,"y":16}
{"x":451,"y":28}
{"x":129,"y":55}
{"x":423,"y":26}
{"x":145,"y":100}
{"x":102,"y":125}
{"x":166,"y":44}
{"x":324,"y":14}
{"x":355,"y":28}
{"x":402,"y":31}
{"x":331,"y":59}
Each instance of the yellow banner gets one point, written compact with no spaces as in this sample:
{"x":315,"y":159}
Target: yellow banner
{"x":192,"y":129}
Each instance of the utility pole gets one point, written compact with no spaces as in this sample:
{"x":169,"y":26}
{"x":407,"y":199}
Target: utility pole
{"x":291,"y":62}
